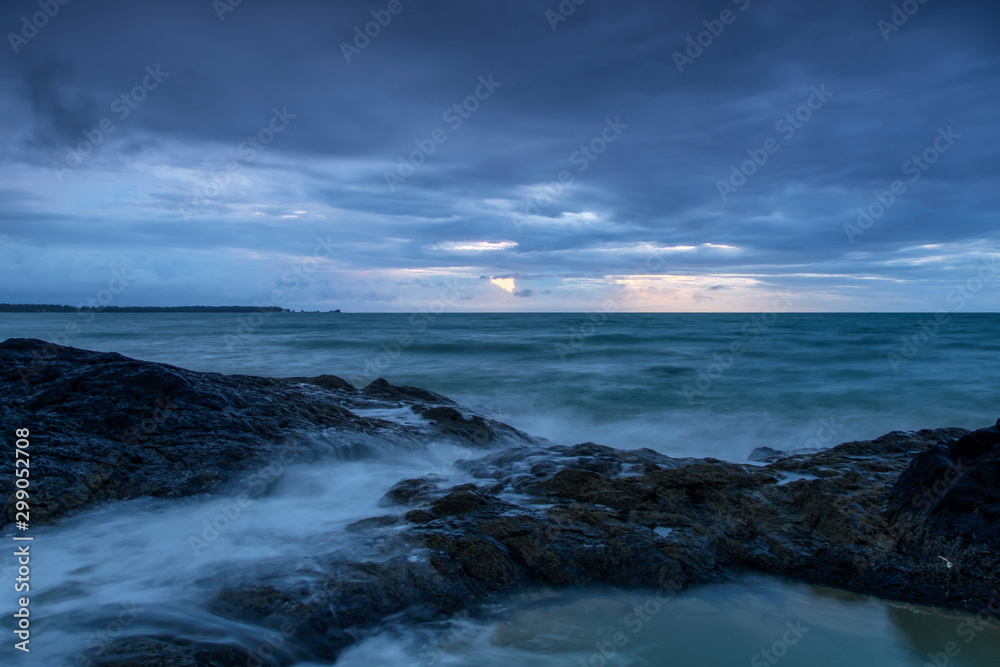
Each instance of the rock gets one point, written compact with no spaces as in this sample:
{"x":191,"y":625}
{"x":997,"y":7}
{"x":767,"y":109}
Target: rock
{"x":382,"y":389}
{"x":384,"y":521}
{"x":331,"y":382}
{"x":171,"y":652}
{"x":952,"y":492}
{"x":114,"y":428}
{"x":409,"y":491}
{"x":462,"y":501}
{"x":418,"y":516}
{"x":472,"y":430}
{"x":976,"y":444}
{"x":765,"y":454}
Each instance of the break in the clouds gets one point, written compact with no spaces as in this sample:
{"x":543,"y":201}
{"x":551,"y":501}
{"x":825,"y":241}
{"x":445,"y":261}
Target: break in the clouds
{"x":516,"y":155}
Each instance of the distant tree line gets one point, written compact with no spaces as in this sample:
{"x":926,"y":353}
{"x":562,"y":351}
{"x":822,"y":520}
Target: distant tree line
{"x":51,"y":308}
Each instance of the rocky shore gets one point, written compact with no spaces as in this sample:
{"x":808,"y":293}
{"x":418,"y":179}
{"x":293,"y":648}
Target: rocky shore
{"x":910,"y":516}
{"x":116,"y":428}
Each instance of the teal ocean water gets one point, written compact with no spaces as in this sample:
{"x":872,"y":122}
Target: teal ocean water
{"x":685,"y":385}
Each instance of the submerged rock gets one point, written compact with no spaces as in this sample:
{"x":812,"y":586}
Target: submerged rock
{"x":171,"y":652}
{"x":382,"y":389}
{"x":326,"y":382}
{"x":766,"y":454}
{"x":409,"y":491}
{"x":471,"y":429}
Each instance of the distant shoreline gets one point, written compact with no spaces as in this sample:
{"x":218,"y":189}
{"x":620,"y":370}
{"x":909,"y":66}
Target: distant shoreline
{"x":54,"y":308}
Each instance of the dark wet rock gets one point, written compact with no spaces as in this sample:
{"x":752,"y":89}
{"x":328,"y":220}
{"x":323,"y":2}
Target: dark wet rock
{"x":326,"y":382}
{"x":463,"y":501}
{"x":255,"y":602}
{"x":952,"y":492}
{"x":765,"y":454}
{"x":114,"y":428}
{"x":976,"y":444}
{"x":928,"y":477}
{"x":473,"y":429}
{"x":535,"y":463}
{"x":419,"y":516}
{"x":380,"y":388}
{"x":384,"y":521}
{"x":348,"y":596}
{"x":172,"y":652}
{"x":409,"y":491}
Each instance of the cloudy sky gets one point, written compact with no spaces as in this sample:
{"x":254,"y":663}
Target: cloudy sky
{"x":501,"y":155}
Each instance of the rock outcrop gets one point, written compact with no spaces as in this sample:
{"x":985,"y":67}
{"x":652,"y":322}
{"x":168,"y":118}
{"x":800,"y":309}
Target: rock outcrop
{"x":114,"y":428}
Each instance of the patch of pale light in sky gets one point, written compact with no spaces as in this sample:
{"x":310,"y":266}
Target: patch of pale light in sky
{"x":506,"y":284}
{"x":474,"y":246}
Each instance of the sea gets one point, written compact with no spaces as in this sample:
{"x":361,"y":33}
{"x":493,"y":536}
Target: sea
{"x":706,"y":385}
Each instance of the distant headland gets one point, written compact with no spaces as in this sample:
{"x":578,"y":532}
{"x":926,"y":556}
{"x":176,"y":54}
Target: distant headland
{"x":53,"y":308}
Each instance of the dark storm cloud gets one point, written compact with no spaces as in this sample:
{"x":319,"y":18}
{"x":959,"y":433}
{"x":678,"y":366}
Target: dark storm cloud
{"x":59,"y":110}
{"x":656,"y":185}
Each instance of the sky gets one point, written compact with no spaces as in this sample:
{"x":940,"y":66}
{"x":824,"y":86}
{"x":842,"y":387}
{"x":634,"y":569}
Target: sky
{"x":515,"y":155}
